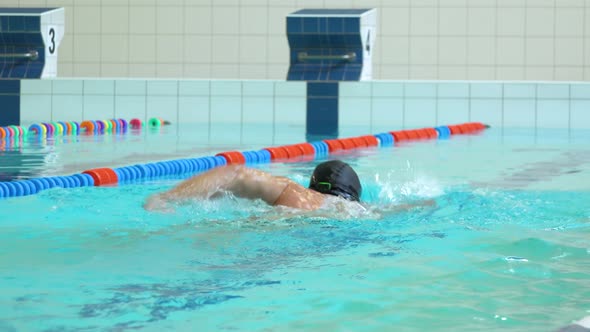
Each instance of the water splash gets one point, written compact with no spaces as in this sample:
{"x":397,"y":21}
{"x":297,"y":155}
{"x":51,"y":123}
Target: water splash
{"x":395,"y":187}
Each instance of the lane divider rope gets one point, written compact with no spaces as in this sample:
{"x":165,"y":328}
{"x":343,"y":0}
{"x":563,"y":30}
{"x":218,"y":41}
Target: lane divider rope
{"x":105,"y":176}
{"x":87,"y":127}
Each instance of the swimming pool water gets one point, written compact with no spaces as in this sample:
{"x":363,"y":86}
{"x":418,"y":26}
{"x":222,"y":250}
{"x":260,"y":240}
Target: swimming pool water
{"x":505,"y":248}
{"x":35,"y":156}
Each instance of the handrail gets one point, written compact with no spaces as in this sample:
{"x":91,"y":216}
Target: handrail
{"x":31,"y":55}
{"x":303,"y":56}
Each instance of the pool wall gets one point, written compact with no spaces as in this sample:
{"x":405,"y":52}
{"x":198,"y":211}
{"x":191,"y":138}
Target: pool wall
{"x":368,"y":106}
{"x":420,"y":39}
{"x":208,"y":56}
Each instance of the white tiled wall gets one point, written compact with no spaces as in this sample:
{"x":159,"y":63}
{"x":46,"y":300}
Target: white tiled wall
{"x":216,"y":102}
{"x":430,"y":39}
{"x":395,"y":105}
{"x":251,"y":106}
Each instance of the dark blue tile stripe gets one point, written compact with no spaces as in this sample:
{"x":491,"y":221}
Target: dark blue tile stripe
{"x":322,"y":90}
{"x":10,"y":101}
{"x":322,"y":109}
{"x":9,"y":87}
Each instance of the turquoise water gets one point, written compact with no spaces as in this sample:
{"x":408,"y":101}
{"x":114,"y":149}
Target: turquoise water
{"x":34,"y":156}
{"x":504,"y":248}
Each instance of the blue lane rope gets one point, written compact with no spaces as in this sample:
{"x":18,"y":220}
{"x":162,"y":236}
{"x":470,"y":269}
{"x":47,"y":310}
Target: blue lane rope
{"x":159,"y":169}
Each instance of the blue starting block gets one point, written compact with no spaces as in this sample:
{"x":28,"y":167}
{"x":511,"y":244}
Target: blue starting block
{"x":328,"y":46}
{"x":29,"y":41}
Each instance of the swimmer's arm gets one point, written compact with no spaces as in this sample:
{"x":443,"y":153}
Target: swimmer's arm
{"x":255,"y":184}
{"x":240,"y":181}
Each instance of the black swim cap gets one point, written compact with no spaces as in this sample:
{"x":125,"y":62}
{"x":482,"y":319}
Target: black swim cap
{"x":336,"y":178}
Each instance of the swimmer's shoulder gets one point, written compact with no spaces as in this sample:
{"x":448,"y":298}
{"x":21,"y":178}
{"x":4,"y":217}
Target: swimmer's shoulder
{"x":296,"y":196}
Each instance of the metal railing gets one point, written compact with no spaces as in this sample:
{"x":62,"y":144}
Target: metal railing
{"x":31,"y":55}
{"x":303,"y":56}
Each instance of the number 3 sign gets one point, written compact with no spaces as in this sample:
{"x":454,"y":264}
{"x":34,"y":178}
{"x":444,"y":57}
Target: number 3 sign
{"x":50,"y":42}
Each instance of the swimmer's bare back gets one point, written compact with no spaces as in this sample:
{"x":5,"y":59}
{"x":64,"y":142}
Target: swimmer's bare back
{"x":242,"y":182}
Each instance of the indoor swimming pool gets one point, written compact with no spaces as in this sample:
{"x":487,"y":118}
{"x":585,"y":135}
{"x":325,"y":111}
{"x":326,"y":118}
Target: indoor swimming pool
{"x":467,"y":122}
{"x":504,"y":247}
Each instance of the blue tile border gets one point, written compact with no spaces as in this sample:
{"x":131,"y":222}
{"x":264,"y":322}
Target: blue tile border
{"x":10,"y":101}
{"x":322,"y":89}
{"x":322,"y":110}
{"x":9,"y":87}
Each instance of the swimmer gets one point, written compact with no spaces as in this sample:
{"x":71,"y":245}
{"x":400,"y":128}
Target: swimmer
{"x":332,"y":184}
{"x":331,"y":178}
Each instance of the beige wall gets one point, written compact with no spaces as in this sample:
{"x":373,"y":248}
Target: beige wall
{"x":417,"y":39}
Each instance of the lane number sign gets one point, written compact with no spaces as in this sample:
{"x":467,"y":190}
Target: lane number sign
{"x":51,"y":42}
